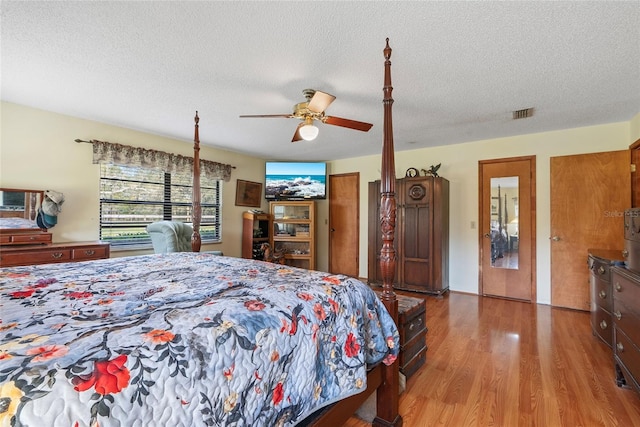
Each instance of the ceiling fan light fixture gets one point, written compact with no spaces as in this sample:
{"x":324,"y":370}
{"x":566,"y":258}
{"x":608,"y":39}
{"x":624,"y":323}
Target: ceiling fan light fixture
{"x":308,"y":131}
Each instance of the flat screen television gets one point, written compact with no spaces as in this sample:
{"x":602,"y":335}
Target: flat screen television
{"x":295,"y":180}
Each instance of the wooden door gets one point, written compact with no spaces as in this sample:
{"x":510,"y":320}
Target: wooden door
{"x":507,"y":228}
{"x":344,"y":223}
{"x":589,"y":193}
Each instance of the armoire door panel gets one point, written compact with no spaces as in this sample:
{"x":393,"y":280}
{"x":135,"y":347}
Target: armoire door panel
{"x":414,"y":244}
{"x":415,"y":272}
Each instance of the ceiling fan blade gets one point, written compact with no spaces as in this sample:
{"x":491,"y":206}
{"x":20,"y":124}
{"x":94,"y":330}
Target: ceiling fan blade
{"x":346,"y":123}
{"x":296,"y":135}
{"x":288,"y":116}
{"x":320,"y":101}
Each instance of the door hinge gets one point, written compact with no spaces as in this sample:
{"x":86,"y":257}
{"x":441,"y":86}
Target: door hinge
{"x":633,"y":167}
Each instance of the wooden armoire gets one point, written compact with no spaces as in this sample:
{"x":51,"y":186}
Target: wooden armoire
{"x":422,"y":234}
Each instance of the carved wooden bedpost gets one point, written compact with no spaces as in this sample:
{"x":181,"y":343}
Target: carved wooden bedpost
{"x":388,"y":393}
{"x":195,"y":203}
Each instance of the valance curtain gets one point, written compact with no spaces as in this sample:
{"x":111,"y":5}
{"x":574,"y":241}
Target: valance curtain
{"x":108,"y":152}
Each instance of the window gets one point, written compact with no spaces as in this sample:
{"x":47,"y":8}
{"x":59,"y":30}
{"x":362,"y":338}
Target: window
{"x":132,"y":197}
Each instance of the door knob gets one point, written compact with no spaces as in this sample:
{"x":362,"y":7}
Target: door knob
{"x":333,"y":229}
{"x":555,"y":238}
{"x":487,"y":235}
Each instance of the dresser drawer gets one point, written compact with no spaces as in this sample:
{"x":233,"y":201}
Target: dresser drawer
{"x":11,"y":256}
{"x":412,"y":348}
{"x":411,"y":366}
{"x":91,"y":252}
{"x":626,"y":303}
{"x":412,"y":318}
{"x":37,"y":257}
{"x":413,"y":327}
{"x":31,"y":238}
{"x":627,"y":353}
{"x":602,"y":325}
{"x":601,"y":293}
{"x":600,"y":268}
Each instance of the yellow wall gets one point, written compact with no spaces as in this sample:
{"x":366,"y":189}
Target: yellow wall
{"x":37,"y":151}
{"x":460,"y":167}
{"x":635,"y":128}
{"x":55,"y":161}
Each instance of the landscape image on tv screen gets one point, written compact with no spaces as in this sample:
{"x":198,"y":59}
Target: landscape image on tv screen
{"x":291,"y":181}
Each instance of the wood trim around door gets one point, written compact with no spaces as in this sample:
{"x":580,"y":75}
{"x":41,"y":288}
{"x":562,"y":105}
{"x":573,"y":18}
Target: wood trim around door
{"x":532,"y":201}
{"x":635,"y":173}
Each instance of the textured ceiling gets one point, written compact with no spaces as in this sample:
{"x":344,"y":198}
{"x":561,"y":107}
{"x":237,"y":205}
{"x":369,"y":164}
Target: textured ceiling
{"x":459,"y":68}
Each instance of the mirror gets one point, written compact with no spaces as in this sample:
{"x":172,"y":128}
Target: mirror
{"x":504,"y":222}
{"x":18,"y":208}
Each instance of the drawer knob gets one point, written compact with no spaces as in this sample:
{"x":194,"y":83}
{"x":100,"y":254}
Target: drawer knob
{"x":625,"y":253}
{"x":617,"y":314}
{"x":56,"y":255}
{"x":603,"y":325}
{"x":620,"y":347}
{"x":89,"y":252}
{"x":602,"y":294}
{"x":618,"y":287}
{"x":601,"y":270}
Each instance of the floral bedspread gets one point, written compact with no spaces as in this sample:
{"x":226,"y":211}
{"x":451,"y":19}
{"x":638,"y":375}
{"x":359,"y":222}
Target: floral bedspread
{"x":183,"y":339}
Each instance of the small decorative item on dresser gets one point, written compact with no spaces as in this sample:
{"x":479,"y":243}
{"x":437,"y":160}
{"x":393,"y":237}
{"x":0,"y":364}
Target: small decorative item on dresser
{"x":411,"y":172}
{"x":433,"y":170}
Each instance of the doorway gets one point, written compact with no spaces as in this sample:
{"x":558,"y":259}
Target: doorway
{"x":344,"y":223}
{"x":507,"y":228}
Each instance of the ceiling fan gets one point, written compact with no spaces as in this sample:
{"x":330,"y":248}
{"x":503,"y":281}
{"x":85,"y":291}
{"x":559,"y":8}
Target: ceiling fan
{"x":313,"y":109}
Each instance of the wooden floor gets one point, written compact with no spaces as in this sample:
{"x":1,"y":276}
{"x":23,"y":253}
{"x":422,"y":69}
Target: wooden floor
{"x":495,"y":362}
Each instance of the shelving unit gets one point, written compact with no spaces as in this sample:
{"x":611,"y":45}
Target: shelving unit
{"x":256,"y":230}
{"x":294,"y":232}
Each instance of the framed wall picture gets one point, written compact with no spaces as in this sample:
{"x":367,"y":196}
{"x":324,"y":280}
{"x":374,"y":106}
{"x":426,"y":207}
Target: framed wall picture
{"x":248,"y":193}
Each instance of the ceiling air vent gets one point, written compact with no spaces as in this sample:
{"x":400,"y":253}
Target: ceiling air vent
{"x":523,"y":114}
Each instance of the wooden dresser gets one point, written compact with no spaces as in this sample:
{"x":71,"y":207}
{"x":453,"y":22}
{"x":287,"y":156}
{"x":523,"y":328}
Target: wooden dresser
{"x":600,"y":263}
{"x":626,"y":320}
{"x":51,"y":253}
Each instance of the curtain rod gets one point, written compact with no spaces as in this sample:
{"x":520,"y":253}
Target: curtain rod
{"x":91,"y":142}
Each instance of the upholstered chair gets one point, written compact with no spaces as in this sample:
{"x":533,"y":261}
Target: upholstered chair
{"x":170,"y":236}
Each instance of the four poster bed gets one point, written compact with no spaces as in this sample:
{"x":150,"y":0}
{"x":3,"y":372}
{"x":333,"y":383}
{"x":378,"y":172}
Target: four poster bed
{"x":190,"y":339}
